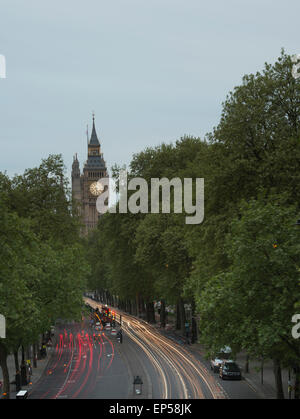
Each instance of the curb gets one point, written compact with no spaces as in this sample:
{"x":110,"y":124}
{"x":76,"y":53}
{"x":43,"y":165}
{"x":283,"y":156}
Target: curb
{"x":258,"y":390}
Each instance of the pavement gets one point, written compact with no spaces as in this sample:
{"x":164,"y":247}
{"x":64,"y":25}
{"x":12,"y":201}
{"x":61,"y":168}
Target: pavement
{"x":36,"y":373}
{"x":261,"y":377}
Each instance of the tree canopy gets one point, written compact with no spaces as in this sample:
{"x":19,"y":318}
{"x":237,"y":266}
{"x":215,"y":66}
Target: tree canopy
{"x":43,"y":267}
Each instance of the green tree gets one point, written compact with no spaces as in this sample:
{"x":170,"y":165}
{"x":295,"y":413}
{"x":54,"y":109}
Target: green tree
{"x":42,"y":194}
{"x":43,"y":267}
{"x":251,"y":305}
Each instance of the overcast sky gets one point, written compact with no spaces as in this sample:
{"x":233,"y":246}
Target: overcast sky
{"x":151,"y":70}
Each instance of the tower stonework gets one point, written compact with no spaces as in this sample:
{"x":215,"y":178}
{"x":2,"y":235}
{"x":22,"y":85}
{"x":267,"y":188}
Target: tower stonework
{"x":85,"y":189}
{"x":76,"y":188}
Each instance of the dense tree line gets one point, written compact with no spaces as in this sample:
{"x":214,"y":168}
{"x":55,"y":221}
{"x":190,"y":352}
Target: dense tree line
{"x":239,"y":269}
{"x":42,"y":262}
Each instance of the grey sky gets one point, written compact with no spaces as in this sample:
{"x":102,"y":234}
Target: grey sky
{"x":152,"y":70}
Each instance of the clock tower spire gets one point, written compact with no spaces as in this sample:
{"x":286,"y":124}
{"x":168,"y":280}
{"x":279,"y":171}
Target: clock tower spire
{"x":94,"y":144}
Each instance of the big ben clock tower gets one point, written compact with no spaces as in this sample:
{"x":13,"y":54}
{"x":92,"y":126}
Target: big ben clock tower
{"x":85,"y":186}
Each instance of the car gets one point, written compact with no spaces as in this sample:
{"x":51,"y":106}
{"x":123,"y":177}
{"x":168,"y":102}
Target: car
{"x":215,"y":364}
{"x":230,"y":370}
{"x":223,"y":355}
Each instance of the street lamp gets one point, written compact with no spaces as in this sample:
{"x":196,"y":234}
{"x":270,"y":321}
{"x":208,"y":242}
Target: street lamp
{"x":137,"y":385}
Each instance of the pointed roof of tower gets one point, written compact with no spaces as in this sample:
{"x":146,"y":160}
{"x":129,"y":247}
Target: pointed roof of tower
{"x":75,"y":161}
{"x":94,"y":139}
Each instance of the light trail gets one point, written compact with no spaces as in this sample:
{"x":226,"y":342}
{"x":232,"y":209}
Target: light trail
{"x":155,"y":361}
{"x":76,"y":366}
{"x":172,"y":362}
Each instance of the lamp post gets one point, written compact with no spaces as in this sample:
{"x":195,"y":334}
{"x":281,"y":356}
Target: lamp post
{"x":137,"y":385}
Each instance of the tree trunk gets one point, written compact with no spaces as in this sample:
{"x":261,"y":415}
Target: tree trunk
{"x":278,"y":379}
{"x":194,"y":329}
{"x":178,"y":317}
{"x":137,"y":303}
{"x":147,"y":313}
{"x":35,"y":351}
{"x":297,"y":382}
{"x":134,"y":308}
{"x":5,"y":373}
{"x":150,"y":312}
{"x":24,"y":381}
{"x":28,"y":353}
{"x":182,"y":316}
{"x":129,"y":308}
{"x":142,"y":308}
{"x":247,"y":363}
{"x":262,"y":371}
{"x":16,"y":358}
{"x":162,"y":314}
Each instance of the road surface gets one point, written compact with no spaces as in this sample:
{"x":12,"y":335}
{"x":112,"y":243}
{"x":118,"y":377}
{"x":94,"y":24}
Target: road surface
{"x":86,"y":363}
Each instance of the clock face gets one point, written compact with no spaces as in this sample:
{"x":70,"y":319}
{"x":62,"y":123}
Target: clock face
{"x":96,"y":188}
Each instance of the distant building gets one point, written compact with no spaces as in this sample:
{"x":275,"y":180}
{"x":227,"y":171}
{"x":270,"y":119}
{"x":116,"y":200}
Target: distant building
{"x":85,"y":189}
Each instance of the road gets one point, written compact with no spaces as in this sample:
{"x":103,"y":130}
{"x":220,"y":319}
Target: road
{"x":89,"y":364}
{"x":172,"y":371}
{"x":84,"y":364}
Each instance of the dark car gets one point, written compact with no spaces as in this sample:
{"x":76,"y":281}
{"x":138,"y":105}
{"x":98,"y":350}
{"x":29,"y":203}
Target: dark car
{"x":230,"y":371}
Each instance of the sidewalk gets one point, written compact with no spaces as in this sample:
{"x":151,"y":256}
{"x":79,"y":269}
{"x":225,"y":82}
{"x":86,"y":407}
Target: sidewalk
{"x":36,"y":373}
{"x":261,"y":378}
